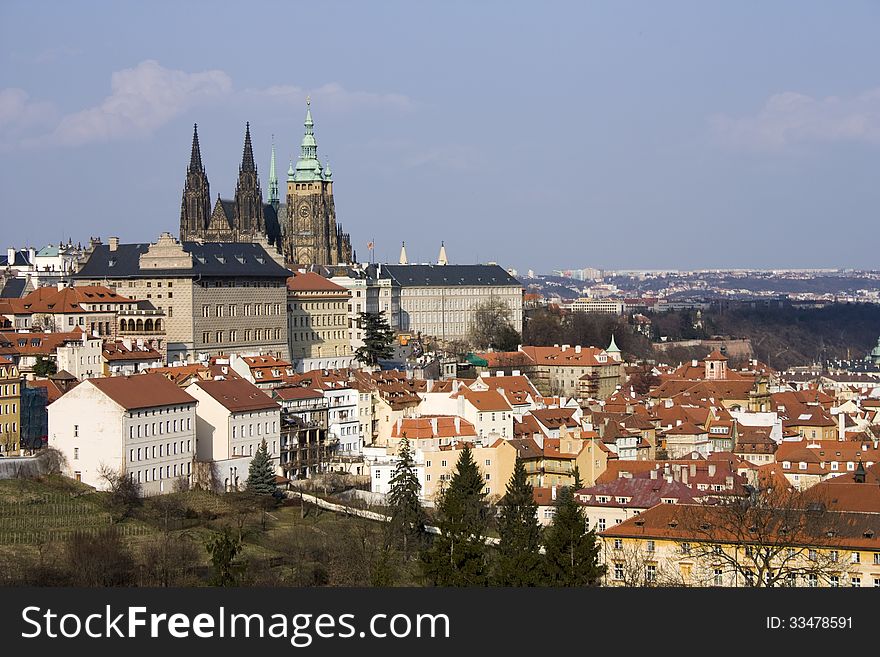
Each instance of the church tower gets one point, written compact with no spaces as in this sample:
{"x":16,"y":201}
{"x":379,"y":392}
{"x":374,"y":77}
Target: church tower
{"x":248,"y":213}
{"x":274,"y":200}
{"x":312,"y":236}
{"x":195,"y":208}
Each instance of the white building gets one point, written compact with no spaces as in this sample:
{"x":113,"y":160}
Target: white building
{"x":82,"y":358}
{"x":142,"y":426}
{"x":233,"y":418}
{"x":343,"y":420}
{"x":441,"y":300}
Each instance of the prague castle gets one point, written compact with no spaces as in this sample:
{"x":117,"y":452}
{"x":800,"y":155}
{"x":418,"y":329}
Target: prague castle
{"x":303,"y":228}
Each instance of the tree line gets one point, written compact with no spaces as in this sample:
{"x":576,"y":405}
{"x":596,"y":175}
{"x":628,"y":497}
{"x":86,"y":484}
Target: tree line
{"x":566,"y":553}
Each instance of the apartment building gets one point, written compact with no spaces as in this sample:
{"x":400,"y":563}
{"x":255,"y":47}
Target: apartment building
{"x":142,"y":426}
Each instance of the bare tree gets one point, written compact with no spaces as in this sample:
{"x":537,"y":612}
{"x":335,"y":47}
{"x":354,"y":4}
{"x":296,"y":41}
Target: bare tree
{"x":492,"y":327}
{"x":632,"y":564}
{"x":770,"y":539}
{"x":125,"y":492}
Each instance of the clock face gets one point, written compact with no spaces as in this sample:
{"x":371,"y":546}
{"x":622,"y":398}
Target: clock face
{"x":304,"y":210}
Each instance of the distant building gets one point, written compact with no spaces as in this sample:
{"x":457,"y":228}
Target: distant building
{"x":439,"y":300}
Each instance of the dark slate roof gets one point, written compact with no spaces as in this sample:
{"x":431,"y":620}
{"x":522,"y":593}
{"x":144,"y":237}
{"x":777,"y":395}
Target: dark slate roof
{"x":210,"y":259}
{"x":19,"y":260}
{"x":228,"y":206}
{"x":14,"y":288}
{"x":445,"y":275}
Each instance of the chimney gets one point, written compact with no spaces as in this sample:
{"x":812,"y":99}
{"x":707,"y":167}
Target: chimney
{"x":654,"y":473}
{"x":114,"y":243}
{"x":684,"y":475}
{"x":566,"y":346}
{"x":553,"y":492}
{"x":515,"y":373}
{"x":434,"y":425}
{"x":728,"y":480}
{"x":712,"y":469}
{"x":577,"y":349}
{"x":841,"y":426}
{"x":457,"y":424}
{"x":695,"y":362}
{"x":10,"y":256}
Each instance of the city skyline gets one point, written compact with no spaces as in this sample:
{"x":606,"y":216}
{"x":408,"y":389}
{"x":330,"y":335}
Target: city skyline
{"x":683,"y":137}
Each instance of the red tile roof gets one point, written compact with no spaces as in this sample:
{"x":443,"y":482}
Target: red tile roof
{"x":237,"y":395}
{"x":141,"y":391}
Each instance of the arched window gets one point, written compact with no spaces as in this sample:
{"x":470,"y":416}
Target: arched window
{"x":122,"y":324}
{"x":131,"y":325}
{"x":148,"y":325}
{"x":140,"y":325}
{"x":158,"y":324}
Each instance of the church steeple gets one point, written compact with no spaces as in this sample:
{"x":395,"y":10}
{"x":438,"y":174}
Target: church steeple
{"x":274,"y":199}
{"x":248,"y":219}
{"x":247,"y":158}
{"x":195,"y":158}
{"x":403,"y":259}
{"x":442,"y":259}
{"x":308,"y":167}
{"x":195,"y":207}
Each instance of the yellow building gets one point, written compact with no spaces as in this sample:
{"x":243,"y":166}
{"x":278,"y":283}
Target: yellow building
{"x":496,"y":464}
{"x":694,"y":545}
{"x":10,"y":408}
{"x":317,"y":323}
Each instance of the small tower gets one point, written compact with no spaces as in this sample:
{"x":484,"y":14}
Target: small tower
{"x":613,"y":350}
{"x":403,"y":260}
{"x":442,"y":259}
{"x":715,"y":366}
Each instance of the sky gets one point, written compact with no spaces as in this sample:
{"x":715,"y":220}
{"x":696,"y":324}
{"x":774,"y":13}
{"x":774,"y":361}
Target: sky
{"x":618,"y":135}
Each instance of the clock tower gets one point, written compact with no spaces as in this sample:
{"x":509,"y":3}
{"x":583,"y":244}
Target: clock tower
{"x":312,"y":236}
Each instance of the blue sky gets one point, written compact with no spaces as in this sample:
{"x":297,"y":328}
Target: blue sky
{"x":538,"y":135}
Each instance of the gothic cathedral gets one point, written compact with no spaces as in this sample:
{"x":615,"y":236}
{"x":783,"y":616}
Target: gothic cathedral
{"x":304,"y":228}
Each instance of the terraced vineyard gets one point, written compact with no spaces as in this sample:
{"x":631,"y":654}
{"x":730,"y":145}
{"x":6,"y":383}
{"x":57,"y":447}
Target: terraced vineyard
{"x":51,"y":516}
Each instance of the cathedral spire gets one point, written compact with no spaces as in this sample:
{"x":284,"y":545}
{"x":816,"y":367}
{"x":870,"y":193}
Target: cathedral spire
{"x":195,"y":159}
{"x":247,"y":158}
{"x":248,"y":219}
{"x":273,"y":179}
{"x":195,"y":206}
{"x":308,"y":167}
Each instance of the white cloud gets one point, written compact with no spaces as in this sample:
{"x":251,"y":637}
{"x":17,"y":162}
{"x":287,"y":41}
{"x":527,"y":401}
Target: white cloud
{"x":20,"y":115}
{"x":148,"y":96}
{"x":790,"y":118}
{"x":142,"y":99}
{"x":335,"y":97}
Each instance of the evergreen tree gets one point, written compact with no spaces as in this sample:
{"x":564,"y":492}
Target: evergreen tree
{"x":519,"y":562}
{"x":223,"y":549}
{"x":407,"y":515}
{"x":458,"y":555}
{"x":578,"y":483}
{"x":261,"y":476}
{"x":572,"y":553}
{"x":378,"y":338}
